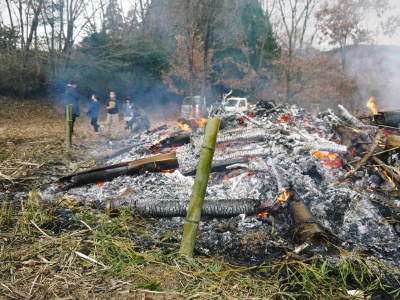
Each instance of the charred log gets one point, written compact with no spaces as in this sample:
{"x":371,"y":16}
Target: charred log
{"x":219,"y":208}
{"x":157,"y":163}
{"x":388,"y":118}
{"x":172,"y":141}
{"x":220,"y":166}
{"x":307,"y":228}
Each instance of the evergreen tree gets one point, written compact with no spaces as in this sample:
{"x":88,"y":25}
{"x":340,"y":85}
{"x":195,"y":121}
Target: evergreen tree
{"x":113,"y":19}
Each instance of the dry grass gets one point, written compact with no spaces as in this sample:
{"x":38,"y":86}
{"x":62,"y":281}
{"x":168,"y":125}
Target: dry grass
{"x":47,"y":253}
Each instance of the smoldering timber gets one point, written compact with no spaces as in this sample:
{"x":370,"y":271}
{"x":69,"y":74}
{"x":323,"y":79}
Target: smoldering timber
{"x":158,"y":163}
{"x":211,"y":208}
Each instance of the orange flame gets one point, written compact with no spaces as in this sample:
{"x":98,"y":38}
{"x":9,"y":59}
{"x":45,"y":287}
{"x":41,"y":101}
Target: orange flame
{"x":389,"y":178}
{"x":101,"y":183}
{"x":284,"y":196}
{"x":371,"y":104}
{"x":201,"y":122}
{"x":184,"y":127}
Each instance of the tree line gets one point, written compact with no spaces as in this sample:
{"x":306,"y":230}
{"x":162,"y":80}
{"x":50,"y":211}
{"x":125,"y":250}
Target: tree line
{"x":160,"y":50}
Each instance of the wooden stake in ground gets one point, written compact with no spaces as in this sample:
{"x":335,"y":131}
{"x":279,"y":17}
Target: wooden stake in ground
{"x":69,"y":127}
{"x":199,"y":188}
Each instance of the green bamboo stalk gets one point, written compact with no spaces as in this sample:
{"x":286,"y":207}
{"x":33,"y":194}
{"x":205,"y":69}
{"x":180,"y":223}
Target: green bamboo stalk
{"x":69,"y":127}
{"x":199,"y":188}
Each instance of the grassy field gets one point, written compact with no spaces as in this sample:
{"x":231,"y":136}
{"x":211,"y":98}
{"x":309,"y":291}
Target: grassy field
{"x":65,"y":250}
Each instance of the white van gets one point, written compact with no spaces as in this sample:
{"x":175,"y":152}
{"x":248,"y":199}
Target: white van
{"x":236,"y":104}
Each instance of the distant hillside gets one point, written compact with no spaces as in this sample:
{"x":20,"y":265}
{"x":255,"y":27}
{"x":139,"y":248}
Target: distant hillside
{"x":377,"y":72}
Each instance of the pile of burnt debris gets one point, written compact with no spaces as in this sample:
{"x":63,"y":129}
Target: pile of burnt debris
{"x":282,"y":180}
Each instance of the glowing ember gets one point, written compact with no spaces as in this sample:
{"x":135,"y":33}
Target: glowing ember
{"x":330,"y":159}
{"x":101,"y":183}
{"x":326,"y":155}
{"x":371,"y":104}
{"x":284,"y":196}
{"x":337,"y":162}
{"x":184,"y":126}
{"x":168,"y":171}
{"x":284,"y":119}
{"x":264,"y":214}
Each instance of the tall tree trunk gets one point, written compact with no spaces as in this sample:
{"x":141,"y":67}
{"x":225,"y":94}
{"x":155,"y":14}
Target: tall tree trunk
{"x":34,"y":25}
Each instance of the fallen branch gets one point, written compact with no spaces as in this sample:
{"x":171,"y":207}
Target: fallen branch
{"x":6,"y":177}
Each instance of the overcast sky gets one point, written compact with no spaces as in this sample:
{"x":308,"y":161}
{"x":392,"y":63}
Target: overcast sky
{"x":373,"y":22}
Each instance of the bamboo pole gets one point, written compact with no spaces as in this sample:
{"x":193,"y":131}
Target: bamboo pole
{"x":69,"y":127}
{"x":199,"y":188}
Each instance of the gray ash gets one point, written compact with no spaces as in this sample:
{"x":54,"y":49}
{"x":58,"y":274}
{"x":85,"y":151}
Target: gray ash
{"x":278,"y":156}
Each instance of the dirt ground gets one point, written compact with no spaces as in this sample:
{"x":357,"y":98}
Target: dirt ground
{"x":32,"y":141}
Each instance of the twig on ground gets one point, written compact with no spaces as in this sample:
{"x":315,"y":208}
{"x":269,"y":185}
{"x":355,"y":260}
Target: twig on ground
{"x":38,"y":228}
{"x":92,"y":260}
{"x":33,"y":284}
{"x":84,"y":223}
{"x":6,"y":177}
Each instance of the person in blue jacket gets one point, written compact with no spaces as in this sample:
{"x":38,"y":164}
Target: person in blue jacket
{"x":72,"y":96}
{"x":93,"y":112}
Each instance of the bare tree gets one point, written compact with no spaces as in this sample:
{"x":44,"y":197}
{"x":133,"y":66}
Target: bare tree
{"x":341,"y":25}
{"x":295,"y":17}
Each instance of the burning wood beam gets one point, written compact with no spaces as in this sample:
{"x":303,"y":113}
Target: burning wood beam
{"x":220,"y":166}
{"x":156,"y":163}
{"x":171,"y":141}
{"x":316,"y":146}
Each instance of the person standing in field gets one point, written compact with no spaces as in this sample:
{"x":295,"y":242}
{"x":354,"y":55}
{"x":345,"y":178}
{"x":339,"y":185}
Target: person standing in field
{"x":112,"y":111}
{"x":128,"y":109}
{"x":93,"y":112}
{"x":71,"y":96}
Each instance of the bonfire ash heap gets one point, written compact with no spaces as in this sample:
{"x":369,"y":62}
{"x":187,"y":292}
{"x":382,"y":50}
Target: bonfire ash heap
{"x":275,"y":168}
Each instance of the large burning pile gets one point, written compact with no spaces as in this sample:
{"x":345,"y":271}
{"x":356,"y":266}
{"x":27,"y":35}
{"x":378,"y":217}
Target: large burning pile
{"x":280,"y":178}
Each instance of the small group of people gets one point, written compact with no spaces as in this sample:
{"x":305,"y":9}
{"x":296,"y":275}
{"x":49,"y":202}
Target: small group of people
{"x":135,"y":120}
